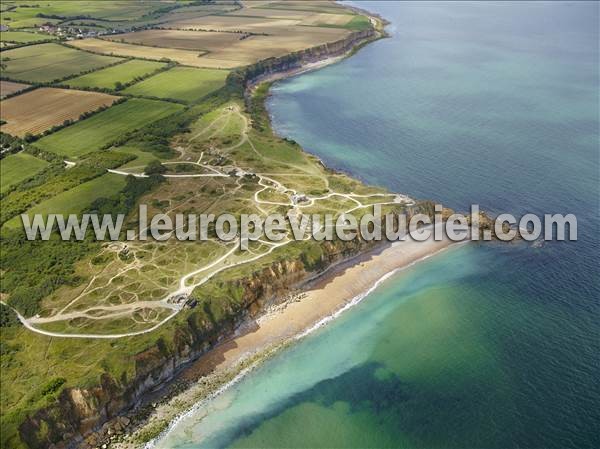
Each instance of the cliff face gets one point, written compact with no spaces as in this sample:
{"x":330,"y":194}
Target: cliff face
{"x":255,"y":72}
{"x":79,"y":411}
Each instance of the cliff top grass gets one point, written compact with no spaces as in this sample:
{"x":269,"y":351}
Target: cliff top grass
{"x":120,"y":288}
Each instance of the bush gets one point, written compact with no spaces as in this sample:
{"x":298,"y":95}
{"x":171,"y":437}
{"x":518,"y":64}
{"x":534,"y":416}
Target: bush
{"x":155,"y":168}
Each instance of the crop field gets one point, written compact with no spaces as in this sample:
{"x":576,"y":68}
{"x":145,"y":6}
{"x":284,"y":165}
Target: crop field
{"x":18,"y":167}
{"x":196,"y":11}
{"x":49,"y":62}
{"x":10,"y":87}
{"x":256,"y":48}
{"x":234,"y":23}
{"x":75,"y":200}
{"x":41,"y":109}
{"x":101,"y":129}
{"x":323,"y":19}
{"x":283,"y":36}
{"x":185,"y":57}
{"x":184,"y":40}
{"x":257,"y":11}
{"x":312,"y":6}
{"x":122,"y":73}
{"x":181,"y":83}
{"x":22,"y":37}
{"x":217,"y":154}
{"x":27,"y":16}
{"x":303,"y":17}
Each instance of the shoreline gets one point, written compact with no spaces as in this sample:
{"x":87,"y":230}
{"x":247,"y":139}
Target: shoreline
{"x":319,"y":302}
{"x":316,"y":305}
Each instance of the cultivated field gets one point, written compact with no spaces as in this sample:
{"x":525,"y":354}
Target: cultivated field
{"x":303,"y":17}
{"x":282,"y":37}
{"x":303,"y":5}
{"x":196,"y":11}
{"x":234,"y":23}
{"x":185,"y":57}
{"x":219,"y":155}
{"x":22,"y":37}
{"x":181,"y":83}
{"x":27,"y":15}
{"x":122,"y":73}
{"x":36,"y":111}
{"x":101,"y":129}
{"x":184,"y":40}
{"x":9,"y":88}
{"x":49,"y":62}
{"x":18,"y":167}
{"x":271,"y":13}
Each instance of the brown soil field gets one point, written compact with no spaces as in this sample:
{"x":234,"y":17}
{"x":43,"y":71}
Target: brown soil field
{"x":185,"y":57}
{"x":256,"y":3}
{"x":272,"y":13}
{"x":38,"y":110}
{"x":303,"y":17}
{"x":327,"y":19}
{"x":256,"y":48}
{"x":9,"y":87}
{"x":196,"y":11}
{"x":283,"y":36}
{"x":234,"y":23}
{"x":185,"y":40}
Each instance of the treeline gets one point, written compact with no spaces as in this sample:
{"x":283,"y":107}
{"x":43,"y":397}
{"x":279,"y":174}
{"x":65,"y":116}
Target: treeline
{"x":56,"y":179}
{"x":255,"y":106}
{"x":125,"y":201}
{"x":10,"y":144}
{"x":35,"y":269}
{"x":67,"y":77}
{"x":121,"y":86}
{"x":33,"y":137}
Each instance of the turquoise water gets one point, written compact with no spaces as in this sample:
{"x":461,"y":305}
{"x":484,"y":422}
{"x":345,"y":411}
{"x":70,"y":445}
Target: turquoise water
{"x":484,"y":346}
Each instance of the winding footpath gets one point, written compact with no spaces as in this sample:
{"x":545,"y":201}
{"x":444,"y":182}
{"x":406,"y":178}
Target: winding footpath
{"x":218,"y":265}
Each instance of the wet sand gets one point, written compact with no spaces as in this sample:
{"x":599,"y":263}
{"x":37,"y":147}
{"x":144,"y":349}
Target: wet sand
{"x":328,"y":295}
{"x":319,"y":302}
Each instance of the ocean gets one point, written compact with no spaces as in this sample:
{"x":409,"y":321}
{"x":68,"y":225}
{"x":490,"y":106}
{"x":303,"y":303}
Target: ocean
{"x":486,"y":345}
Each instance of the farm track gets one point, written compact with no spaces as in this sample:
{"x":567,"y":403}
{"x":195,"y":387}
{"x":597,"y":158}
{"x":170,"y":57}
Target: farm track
{"x":188,"y":282}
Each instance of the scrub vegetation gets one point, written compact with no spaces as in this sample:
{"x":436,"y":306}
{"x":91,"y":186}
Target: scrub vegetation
{"x":178,"y":114}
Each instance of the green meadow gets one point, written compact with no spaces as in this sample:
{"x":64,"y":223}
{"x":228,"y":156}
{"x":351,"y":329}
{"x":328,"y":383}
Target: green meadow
{"x":18,"y":167}
{"x":23,"y":37}
{"x":75,"y":200}
{"x":26,"y":15}
{"x":142,"y":158}
{"x":181,"y":83}
{"x":121,"y":73}
{"x":101,"y":129}
{"x":49,"y":62}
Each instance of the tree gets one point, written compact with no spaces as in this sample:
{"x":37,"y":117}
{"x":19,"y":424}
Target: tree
{"x":118,"y":85}
{"x":155,"y":168}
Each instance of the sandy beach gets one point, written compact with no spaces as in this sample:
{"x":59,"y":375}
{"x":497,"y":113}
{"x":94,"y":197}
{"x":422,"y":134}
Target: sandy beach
{"x":322,"y":300}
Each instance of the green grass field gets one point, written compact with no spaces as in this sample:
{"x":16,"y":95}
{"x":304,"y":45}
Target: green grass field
{"x":18,"y":167}
{"x":49,"y":62}
{"x":101,"y":129}
{"x":181,"y":83}
{"x":23,"y":37}
{"x":142,"y":158}
{"x":75,"y":200}
{"x":123,"y":73}
{"x":358,"y":23}
{"x":27,"y":15}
